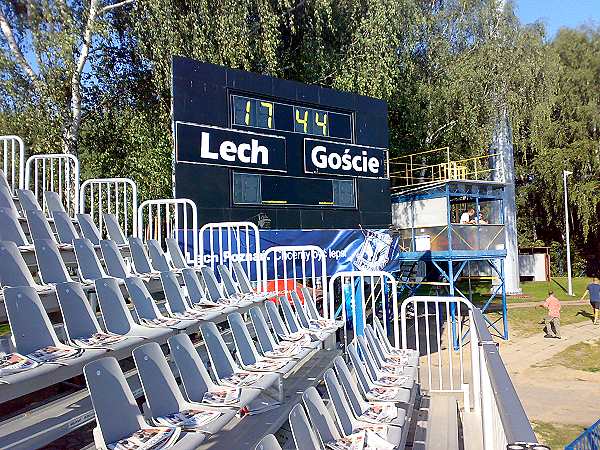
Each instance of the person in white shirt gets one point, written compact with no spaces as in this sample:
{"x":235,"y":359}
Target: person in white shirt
{"x":467,"y":218}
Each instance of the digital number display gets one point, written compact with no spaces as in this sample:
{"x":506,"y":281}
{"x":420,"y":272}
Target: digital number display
{"x":260,"y":113}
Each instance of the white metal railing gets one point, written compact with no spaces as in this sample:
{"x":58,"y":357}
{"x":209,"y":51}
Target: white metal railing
{"x":229,"y":242}
{"x":111,"y":195}
{"x":54,"y":172}
{"x":363,"y":294}
{"x":458,"y":355}
{"x":305,"y":264}
{"x":13,"y":161}
{"x":170,"y":218}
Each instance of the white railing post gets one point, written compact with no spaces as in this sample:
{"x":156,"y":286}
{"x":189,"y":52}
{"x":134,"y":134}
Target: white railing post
{"x":228,"y":242}
{"x":174,"y":213}
{"x":13,"y":161}
{"x":301,"y":263}
{"x":54,"y":172}
{"x":117,"y":196}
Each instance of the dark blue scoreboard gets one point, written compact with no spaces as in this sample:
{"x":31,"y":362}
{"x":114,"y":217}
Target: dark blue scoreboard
{"x":249,"y":146}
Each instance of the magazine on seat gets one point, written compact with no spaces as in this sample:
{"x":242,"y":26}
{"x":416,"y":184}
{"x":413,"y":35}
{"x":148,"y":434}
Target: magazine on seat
{"x":241,"y":378}
{"x":380,"y":413}
{"x":51,"y":353}
{"x":222,"y":397}
{"x":11,"y":363}
{"x":189,"y":419}
{"x":160,"y":322}
{"x":267,"y":365}
{"x":383,"y":393}
{"x":155,"y":438}
{"x":284,"y":351}
{"x":97,"y":340}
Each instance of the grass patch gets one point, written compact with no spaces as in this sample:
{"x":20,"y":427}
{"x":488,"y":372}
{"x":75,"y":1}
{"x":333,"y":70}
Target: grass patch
{"x":4,"y":328}
{"x":581,"y":356}
{"x":526,"y":321}
{"x":556,"y":436}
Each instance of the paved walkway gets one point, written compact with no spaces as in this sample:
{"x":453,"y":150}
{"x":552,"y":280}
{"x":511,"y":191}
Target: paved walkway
{"x":554,"y":394}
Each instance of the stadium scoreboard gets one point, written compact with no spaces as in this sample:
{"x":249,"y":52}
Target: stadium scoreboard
{"x":250,"y":146}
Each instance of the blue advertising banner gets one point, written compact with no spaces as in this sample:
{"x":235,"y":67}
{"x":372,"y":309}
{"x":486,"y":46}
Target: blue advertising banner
{"x":345,"y":249}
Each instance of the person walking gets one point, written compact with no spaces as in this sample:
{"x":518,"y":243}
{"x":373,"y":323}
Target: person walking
{"x":593,"y":290}
{"x":552,"y":320}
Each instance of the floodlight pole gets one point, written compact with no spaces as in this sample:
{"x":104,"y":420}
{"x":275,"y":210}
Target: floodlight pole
{"x":566,"y":173}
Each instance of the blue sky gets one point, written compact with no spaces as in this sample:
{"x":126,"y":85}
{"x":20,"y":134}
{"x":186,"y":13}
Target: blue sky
{"x":559,"y":13}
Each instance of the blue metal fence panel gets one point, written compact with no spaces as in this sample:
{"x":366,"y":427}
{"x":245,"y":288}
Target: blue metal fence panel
{"x":588,"y":440}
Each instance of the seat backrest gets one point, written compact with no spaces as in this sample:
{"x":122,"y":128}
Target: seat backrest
{"x":27,"y":199}
{"x":39,"y":228}
{"x":115,"y":233}
{"x":176,"y":302}
{"x":359,"y":369}
{"x":6,"y":199}
{"x":175,"y":254}
{"x":64,"y":227}
{"x":158,"y":259}
{"x":231,"y":288}
{"x":3,"y":180}
{"x":374,"y":343}
{"x":246,"y":350}
{"x":143,"y":303}
{"x":160,"y":388}
{"x":117,"y":316}
{"x":212,"y":286}
{"x":13,"y":270}
{"x":29,"y":323}
{"x":78,"y":318}
{"x":353,"y":394}
{"x":273,"y":312}
{"x":192,"y":284}
{"x":320,"y":416}
{"x":141,"y":263}
{"x":88,"y":228}
{"x":193,"y":374}
{"x":242,"y":278}
{"x":10,"y":228}
{"x":222,"y":362}
{"x":381,"y":333}
{"x":304,"y":436}
{"x":339,"y":402}
{"x":87,"y":261}
{"x":115,"y":265}
{"x":269,"y":442}
{"x":310,"y":304}
{"x":367,"y":357}
{"x":50,"y":264}
{"x":53,"y":202}
{"x":266,"y":342}
{"x":288,"y":313}
{"x":110,"y":392}
{"x":300,"y":313}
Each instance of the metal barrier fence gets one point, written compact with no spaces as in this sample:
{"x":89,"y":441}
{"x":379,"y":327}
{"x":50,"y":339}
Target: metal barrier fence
{"x":229,"y":242}
{"x":117,"y":196}
{"x":474,"y":370}
{"x":359,"y":295}
{"x":170,"y":218}
{"x":13,"y":161}
{"x":304,"y":264}
{"x":54,"y":172}
{"x":588,"y":440}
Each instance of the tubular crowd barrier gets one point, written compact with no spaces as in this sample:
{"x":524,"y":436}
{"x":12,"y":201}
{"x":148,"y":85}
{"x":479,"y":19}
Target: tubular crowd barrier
{"x":54,"y":172}
{"x":474,"y":371}
{"x":116,"y":196}
{"x":13,"y":161}
{"x":170,"y":218}
{"x":229,"y":242}
{"x":362,"y":294}
{"x":304,"y":264}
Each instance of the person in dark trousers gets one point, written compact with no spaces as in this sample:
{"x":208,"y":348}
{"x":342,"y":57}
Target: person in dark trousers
{"x":593,"y":290}
{"x":552,"y":320}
